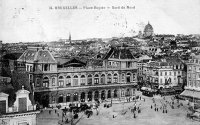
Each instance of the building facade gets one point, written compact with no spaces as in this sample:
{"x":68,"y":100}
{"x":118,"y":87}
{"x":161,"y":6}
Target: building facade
{"x":76,"y":81}
{"x":192,"y":90}
{"x":165,"y":73}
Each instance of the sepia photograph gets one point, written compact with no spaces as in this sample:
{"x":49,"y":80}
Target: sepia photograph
{"x":99,"y":62}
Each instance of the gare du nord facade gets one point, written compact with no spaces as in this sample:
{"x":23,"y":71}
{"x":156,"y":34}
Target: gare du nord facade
{"x":75,"y":81}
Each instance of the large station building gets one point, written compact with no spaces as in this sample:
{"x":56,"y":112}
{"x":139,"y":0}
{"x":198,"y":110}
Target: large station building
{"x":76,"y":81}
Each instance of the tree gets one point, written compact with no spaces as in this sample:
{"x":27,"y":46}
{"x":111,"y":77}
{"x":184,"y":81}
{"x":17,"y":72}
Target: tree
{"x":19,"y":79}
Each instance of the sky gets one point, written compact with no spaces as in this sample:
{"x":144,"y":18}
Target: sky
{"x":33,"y":20}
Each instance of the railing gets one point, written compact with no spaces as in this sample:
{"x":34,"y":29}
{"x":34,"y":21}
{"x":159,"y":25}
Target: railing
{"x":14,"y":109}
{"x":96,"y":68}
{"x":90,"y":85}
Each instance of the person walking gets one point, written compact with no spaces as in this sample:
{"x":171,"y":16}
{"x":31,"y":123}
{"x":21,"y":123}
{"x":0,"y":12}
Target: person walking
{"x":49,"y":111}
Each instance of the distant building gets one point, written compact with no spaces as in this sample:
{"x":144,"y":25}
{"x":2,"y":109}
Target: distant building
{"x":21,"y":113}
{"x":76,"y":81}
{"x":148,"y":30}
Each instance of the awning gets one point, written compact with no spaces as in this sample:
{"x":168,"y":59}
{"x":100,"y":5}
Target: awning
{"x":166,"y":90}
{"x":191,"y":93}
{"x":177,"y":88}
{"x":145,"y":88}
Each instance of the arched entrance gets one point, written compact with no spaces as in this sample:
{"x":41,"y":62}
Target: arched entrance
{"x":96,"y":95}
{"x":115,"y":93}
{"x":75,"y":97}
{"x":109,"y":94}
{"x":89,"y":96}
{"x":68,"y":97}
{"x":60,"y":99}
{"x":103,"y":95}
{"x":45,"y":100}
{"x":82,"y":97}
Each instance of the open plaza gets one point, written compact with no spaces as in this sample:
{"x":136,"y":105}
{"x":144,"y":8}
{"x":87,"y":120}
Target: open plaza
{"x":155,"y":110}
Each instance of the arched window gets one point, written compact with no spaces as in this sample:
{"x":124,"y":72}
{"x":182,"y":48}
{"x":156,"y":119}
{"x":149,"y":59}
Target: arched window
{"x":53,"y":81}
{"x":103,"y":80}
{"x":61,"y":81}
{"x":46,"y":82}
{"x":89,"y":79}
{"x":115,"y":78}
{"x":109,"y":78}
{"x":96,"y":79}
{"x":128,"y":77}
{"x":75,"y":80}
{"x":68,"y":81}
{"x":83,"y":80}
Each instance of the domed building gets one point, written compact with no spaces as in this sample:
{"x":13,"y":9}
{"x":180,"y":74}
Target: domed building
{"x":148,"y":30}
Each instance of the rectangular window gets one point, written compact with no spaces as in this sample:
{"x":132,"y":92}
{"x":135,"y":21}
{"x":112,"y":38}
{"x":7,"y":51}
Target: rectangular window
{"x":75,"y":82}
{"x":83,"y":81}
{"x":175,"y":73}
{"x":96,"y":80}
{"x":170,"y":73}
{"x":160,"y":73}
{"x":31,"y":68}
{"x":27,"y":68}
{"x":166,"y":73}
{"x":123,"y":77}
{"x":53,"y":81}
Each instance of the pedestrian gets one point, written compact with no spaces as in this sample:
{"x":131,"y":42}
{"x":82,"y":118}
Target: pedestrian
{"x":134,"y":115}
{"x":55,"y":110}
{"x":155,"y":109}
{"x":151,"y":107}
{"x":166,"y":111}
{"x":144,"y":99}
{"x":66,"y":120}
{"x":163,"y":111}
{"x":58,"y":114}
{"x":49,"y":111}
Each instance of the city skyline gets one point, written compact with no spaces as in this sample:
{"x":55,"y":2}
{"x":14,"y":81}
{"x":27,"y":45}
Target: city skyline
{"x":28,"y":21}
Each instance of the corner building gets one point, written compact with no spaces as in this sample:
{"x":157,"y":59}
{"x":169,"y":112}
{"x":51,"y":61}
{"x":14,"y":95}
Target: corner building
{"x":75,"y":81}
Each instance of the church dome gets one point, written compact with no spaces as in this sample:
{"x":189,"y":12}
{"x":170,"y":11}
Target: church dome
{"x":148,"y":30}
{"x":148,"y":27}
